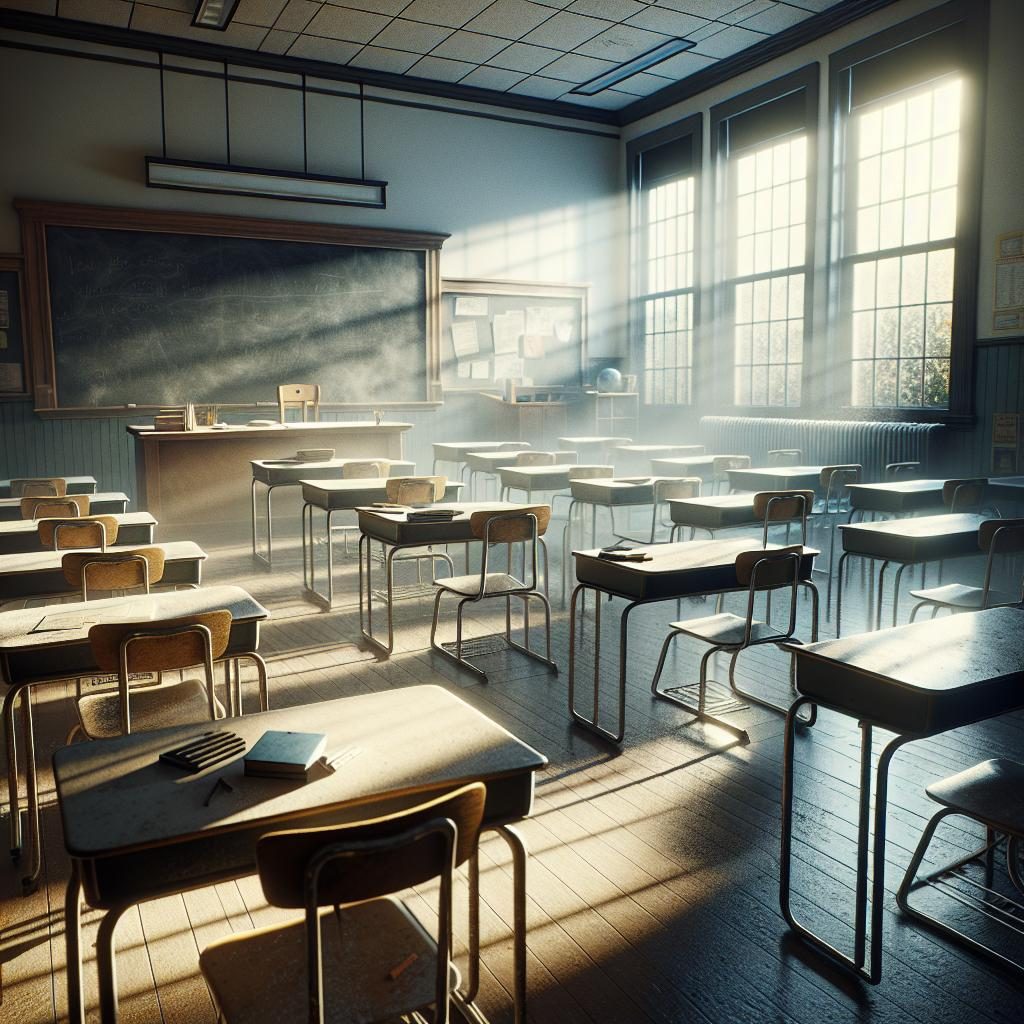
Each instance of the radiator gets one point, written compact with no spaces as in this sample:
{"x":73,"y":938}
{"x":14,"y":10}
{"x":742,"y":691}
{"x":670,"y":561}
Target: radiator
{"x":872,"y":444}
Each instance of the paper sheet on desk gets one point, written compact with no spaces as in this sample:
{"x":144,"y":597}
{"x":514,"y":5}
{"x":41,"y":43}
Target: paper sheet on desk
{"x":68,"y":622}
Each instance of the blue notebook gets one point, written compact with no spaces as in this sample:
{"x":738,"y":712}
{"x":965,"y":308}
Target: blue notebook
{"x":284,"y":755}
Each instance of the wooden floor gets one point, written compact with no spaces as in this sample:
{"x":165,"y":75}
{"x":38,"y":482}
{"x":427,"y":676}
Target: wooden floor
{"x":653,"y":880}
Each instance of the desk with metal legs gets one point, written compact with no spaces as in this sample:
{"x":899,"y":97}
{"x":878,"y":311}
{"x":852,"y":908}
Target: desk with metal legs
{"x":394,"y":533}
{"x":275,"y":473}
{"x":905,"y":542}
{"x":74,"y":484}
{"x":546,"y":479}
{"x":23,"y":535}
{"x":916,"y":681}
{"x":104,"y":503}
{"x":331,"y":497}
{"x":895,"y":497}
{"x":489,"y":465}
{"x":636,"y":458}
{"x":685,"y":465}
{"x":455,"y":451}
{"x":776,"y":478}
{"x":137,"y":829}
{"x":1006,"y":488}
{"x":32,"y":655}
{"x":592,"y":445}
{"x":675,"y":571}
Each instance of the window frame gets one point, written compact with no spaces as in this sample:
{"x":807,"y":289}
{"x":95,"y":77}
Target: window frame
{"x":972,"y":16}
{"x":722,"y":356}
{"x":691,"y":127}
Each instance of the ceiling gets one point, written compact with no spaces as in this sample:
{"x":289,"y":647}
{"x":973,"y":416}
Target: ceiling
{"x":528,"y":50}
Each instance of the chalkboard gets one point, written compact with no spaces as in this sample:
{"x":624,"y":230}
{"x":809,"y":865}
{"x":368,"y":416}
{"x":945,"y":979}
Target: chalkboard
{"x":493,"y":331}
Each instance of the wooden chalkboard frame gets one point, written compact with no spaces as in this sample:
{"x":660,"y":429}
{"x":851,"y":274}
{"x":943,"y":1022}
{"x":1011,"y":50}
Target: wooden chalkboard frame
{"x":37,"y":215}
{"x":575,"y":294}
{"x":10,"y":264}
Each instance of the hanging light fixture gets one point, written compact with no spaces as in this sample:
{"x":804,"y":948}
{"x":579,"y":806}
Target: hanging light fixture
{"x":215,"y":14}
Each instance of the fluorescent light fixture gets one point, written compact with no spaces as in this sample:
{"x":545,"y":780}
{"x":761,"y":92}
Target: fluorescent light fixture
{"x":214,"y":14}
{"x":254,"y":181}
{"x":634,"y":66}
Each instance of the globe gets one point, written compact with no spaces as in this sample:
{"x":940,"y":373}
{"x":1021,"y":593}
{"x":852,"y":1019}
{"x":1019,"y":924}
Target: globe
{"x":609,"y":379}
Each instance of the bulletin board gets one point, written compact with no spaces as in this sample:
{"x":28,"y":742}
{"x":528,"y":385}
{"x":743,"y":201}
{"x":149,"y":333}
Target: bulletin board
{"x":13,"y":378}
{"x":526,"y":332}
{"x":1008,"y":300}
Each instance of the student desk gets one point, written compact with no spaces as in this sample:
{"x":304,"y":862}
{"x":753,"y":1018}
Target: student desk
{"x":393,"y":531}
{"x":331,"y":496}
{"x":776,"y":478}
{"x":104,"y":503}
{"x":489,"y":464}
{"x":540,"y":478}
{"x":74,"y":484}
{"x":137,"y":829}
{"x":202,"y":476}
{"x":274,"y":473}
{"x":630,"y":457}
{"x":715,"y":512}
{"x":916,"y":681}
{"x":456,"y":451}
{"x":895,"y":497}
{"x":29,"y":658}
{"x":1006,"y":488}
{"x":906,"y":542}
{"x":38,"y":573}
{"x":685,"y":465}
{"x":593,"y":445}
{"x":681,"y":570}
{"x":23,"y":535}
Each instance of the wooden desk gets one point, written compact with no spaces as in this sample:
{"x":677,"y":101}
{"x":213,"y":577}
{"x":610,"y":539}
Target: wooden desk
{"x":917,"y":681}
{"x":38,"y":573}
{"x":75,"y":484}
{"x":896,"y":496}
{"x":675,"y":570}
{"x":776,"y":478}
{"x":103,"y":503}
{"x":29,"y":658}
{"x":137,"y":829}
{"x":23,"y":535}
{"x":203,"y":476}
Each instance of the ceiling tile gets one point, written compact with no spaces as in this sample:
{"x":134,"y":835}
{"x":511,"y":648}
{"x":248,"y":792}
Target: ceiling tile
{"x":345,"y":23}
{"x":453,"y":13}
{"x":388,"y":7}
{"x":816,"y":5}
{"x":378,"y":58}
{"x":523,"y":57}
{"x":643,"y":84}
{"x":411,"y":35}
{"x":609,"y":99}
{"x":566,"y":31}
{"x":250,"y":12}
{"x":541,"y":88}
{"x":702,"y":8}
{"x":335,"y":50}
{"x":729,"y":41}
{"x":469,"y":46}
{"x":682,"y":65}
{"x":492,"y":78}
{"x":671,"y":23}
{"x":509,"y":19}
{"x":576,"y":68}
{"x":610,"y":10}
{"x":32,"y":6}
{"x":277,"y":42}
{"x":747,"y":10}
{"x":172,"y":5}
{"x":296,"y":16}
{"x":781,"y":17}
{"x":100,"y":12}
{"x":440,"y":70}
{"x":621,"y":43}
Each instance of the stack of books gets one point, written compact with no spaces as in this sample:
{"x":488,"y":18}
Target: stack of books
{"x":285,"y":755}
{"x":314,"y":455}
{"x":431,"y":515}
{"x":170,"y":419}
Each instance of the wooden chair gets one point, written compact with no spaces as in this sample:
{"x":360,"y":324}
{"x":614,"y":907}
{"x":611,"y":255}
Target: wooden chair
{"x":785,"y":456}
{"x":964,"y":495}
{"x":113,"y":570}
{"x":524,"y":526}
{"x":39,"y":487}
{"x":532,"y":458}
{"x":70,"y":506}
{"x":358,"y":955}
{"x":84,"y":532}
{"x":304,"y":397}
{"x":415,"y":490}
{"x":664,"y":490}
{"x":720,"y":466}
{"x":126,"y":648}
{"x":756,"y":571}
{"x":783,"y":507}
{"x":996,"y":537}
{"x":362,"y":469}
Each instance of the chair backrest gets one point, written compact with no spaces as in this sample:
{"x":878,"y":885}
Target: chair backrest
{"x":721,"y":464}
{"x":160,"y":645}
{"x":511,"y":527}
{"x":835,"y":478}
{"x":68,"y":507}
{"x":113,"y":570}
{"x":374,"y":857}
{"x":782,"y":506}
{"x":591,"y":472}
{"x":415,"y":490}
{"x":39,"y":487}
{"x":1001,"y":536}
{"x":513,"y":446}
{"x":532,"y":458}
{"x":958,"y":495}
{"x":682,"y":487}
{"x":364,"y":470}
{"x":785,"y":456}
{"x":766,"y":569}
{"x":898,"y":469}
{"x":83,"y":532}
{"x":304,"y":397}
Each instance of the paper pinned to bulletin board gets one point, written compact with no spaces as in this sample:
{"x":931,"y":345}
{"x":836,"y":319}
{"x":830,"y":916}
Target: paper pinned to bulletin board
{"x":1006,"y":429}
{"x":1008,"y":300}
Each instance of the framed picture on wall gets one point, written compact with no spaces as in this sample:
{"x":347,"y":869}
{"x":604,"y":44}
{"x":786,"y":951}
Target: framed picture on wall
{"x":13,"y":371}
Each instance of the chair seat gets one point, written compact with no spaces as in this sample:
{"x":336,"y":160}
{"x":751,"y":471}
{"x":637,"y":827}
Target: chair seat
{"x":725,"y":629}
{"x":991,"y":792}
{"x":260,"y":977}
{"x":959,"y":595}
{"x":469,"y":586}
{"x":151,"y":708}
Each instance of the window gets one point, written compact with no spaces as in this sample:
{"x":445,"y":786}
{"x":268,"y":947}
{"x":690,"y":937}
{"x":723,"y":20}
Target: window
{"x":763,"y":149}
{"x":904,"y":216}
{"x":664,"y":169}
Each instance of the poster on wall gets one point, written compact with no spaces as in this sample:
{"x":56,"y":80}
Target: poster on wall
{"x":1008,"y":297}
{"x":1005,"y":443}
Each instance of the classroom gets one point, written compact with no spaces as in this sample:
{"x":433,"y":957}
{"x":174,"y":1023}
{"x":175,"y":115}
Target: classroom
{"x":512,"y":511}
